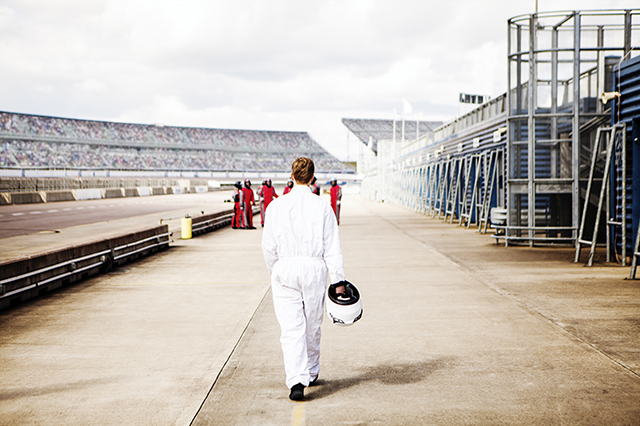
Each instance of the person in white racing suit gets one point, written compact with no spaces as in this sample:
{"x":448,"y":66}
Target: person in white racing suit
{"x":301,"y":245}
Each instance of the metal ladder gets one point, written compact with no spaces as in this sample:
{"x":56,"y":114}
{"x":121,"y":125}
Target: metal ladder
{"x":490,"y":173}
{"x":442,"y":190}
{"x":450,"y":208}
{"x":610,"y":134}
{"x":464,"y":190}
{"x":434,"y":169}
{"x":619,"y":134}
{"x":636,"y":254}
{"x":468,"y":207}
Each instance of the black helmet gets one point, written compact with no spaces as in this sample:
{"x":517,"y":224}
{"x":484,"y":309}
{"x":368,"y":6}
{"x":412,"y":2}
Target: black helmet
{"x":334,"y":182}
{"x":247,"y":183}
{"x":268,"y":182}
{"x":290,"y":183}
{"x":238,"y":185}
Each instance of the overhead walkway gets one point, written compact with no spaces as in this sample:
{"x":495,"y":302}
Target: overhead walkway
{"x":456,"y":330}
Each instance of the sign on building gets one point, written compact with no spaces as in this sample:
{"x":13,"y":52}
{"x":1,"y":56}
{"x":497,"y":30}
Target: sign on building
{"x":472,"y":99}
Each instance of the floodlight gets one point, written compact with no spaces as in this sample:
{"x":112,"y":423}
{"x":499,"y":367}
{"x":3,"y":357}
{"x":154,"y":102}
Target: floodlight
{"x":607,"y":96}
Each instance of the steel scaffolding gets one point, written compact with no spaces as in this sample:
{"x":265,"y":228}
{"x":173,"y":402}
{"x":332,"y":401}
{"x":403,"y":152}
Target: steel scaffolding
{"x":559,"y":64}
{"x":524,"y":157}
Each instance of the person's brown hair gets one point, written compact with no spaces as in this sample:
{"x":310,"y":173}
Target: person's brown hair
{"x":302,"y":170}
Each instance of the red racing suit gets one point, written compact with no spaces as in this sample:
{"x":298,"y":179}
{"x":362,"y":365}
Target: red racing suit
{"x":336,"y":196}
{"x":249,"y":201}
{"x":262,"y":203}
{"x":268,"y":193}
{"x":238,"y":220}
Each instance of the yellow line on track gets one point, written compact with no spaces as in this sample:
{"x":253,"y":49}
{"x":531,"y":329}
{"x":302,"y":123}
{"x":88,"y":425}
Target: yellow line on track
{"x":297,"y":415}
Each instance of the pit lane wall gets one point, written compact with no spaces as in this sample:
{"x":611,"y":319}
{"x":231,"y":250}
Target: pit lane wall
{"x":36,"y":274}
{"x":7,"y":198}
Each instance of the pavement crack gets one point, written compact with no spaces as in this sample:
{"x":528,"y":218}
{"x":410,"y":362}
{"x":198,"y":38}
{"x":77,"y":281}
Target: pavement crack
{"x":235,"y":346}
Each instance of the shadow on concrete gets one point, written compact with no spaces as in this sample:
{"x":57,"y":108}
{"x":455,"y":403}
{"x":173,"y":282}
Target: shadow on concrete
{"x":387,"y":374}
{"x":26,"y":392}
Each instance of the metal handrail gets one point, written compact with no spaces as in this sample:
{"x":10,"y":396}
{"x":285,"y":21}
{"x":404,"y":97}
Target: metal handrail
{"x":135,"y":243}
{"x":129,"y":253}
{"x":211,"y":222}
{"x":111,"y":255}
{"x":57,"y":265}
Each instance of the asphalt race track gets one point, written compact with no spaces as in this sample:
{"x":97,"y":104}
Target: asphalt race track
{"x":23,"y":219}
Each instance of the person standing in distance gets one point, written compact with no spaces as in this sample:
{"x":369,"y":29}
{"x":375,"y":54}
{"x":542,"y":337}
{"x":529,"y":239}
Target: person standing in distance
{"x":238,"y":210}
{"x":336,"y":197}
{"x":261,"y":199}
{"x":249,"y":201}
{"x":288,"y":187}
{"x":268,"y":195}
{"x":301,"y":245}
{"x":315,"y":189}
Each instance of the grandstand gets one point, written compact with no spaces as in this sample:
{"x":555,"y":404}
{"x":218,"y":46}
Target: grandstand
{"x":31,"y":142}
{"x":371,"y":131}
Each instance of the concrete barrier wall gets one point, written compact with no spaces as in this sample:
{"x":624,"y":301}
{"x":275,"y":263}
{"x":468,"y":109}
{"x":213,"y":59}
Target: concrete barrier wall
{"x":87,"y":194}
{"x":26,"y":198}
{"x":114,"y":193}
{"x":7,"y":198}
{"x":30,"y":276}
{"x":144,"y":191}
{"x":53,"y":196}
{"x":61,"y":264}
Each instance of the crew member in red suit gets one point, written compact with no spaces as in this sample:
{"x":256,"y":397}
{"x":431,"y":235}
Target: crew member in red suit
{"x":288,"y":187}
{"x":268,"y":193}
{"x":315,"y":189}
{"x":336,"y":196}
{"x":249,"y":201}
{"x":238,"y":199}
{"x":261,"y":200}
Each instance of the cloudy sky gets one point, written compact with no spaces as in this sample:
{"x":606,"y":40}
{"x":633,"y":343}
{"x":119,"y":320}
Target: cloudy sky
{"x":265,"y":65}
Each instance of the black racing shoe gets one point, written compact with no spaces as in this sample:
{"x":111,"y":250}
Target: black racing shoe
{"x":297,"y":392}
{"x":314,"y":382}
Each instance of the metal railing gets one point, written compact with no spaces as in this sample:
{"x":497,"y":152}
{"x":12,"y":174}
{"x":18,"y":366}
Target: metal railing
{"x":24,"y":285}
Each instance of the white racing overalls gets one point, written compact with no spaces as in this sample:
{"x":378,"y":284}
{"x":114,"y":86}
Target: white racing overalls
{"x":301,"y":246}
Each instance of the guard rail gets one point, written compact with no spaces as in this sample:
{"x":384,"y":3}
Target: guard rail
{"x":31,"y":276}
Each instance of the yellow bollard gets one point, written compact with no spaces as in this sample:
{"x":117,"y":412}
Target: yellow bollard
{"x":186,"y":228}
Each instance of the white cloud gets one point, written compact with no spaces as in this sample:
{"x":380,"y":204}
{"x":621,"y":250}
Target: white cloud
{"x":43,"y":88}
{"x":255,"y":64}
{"x":92,"y":85}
